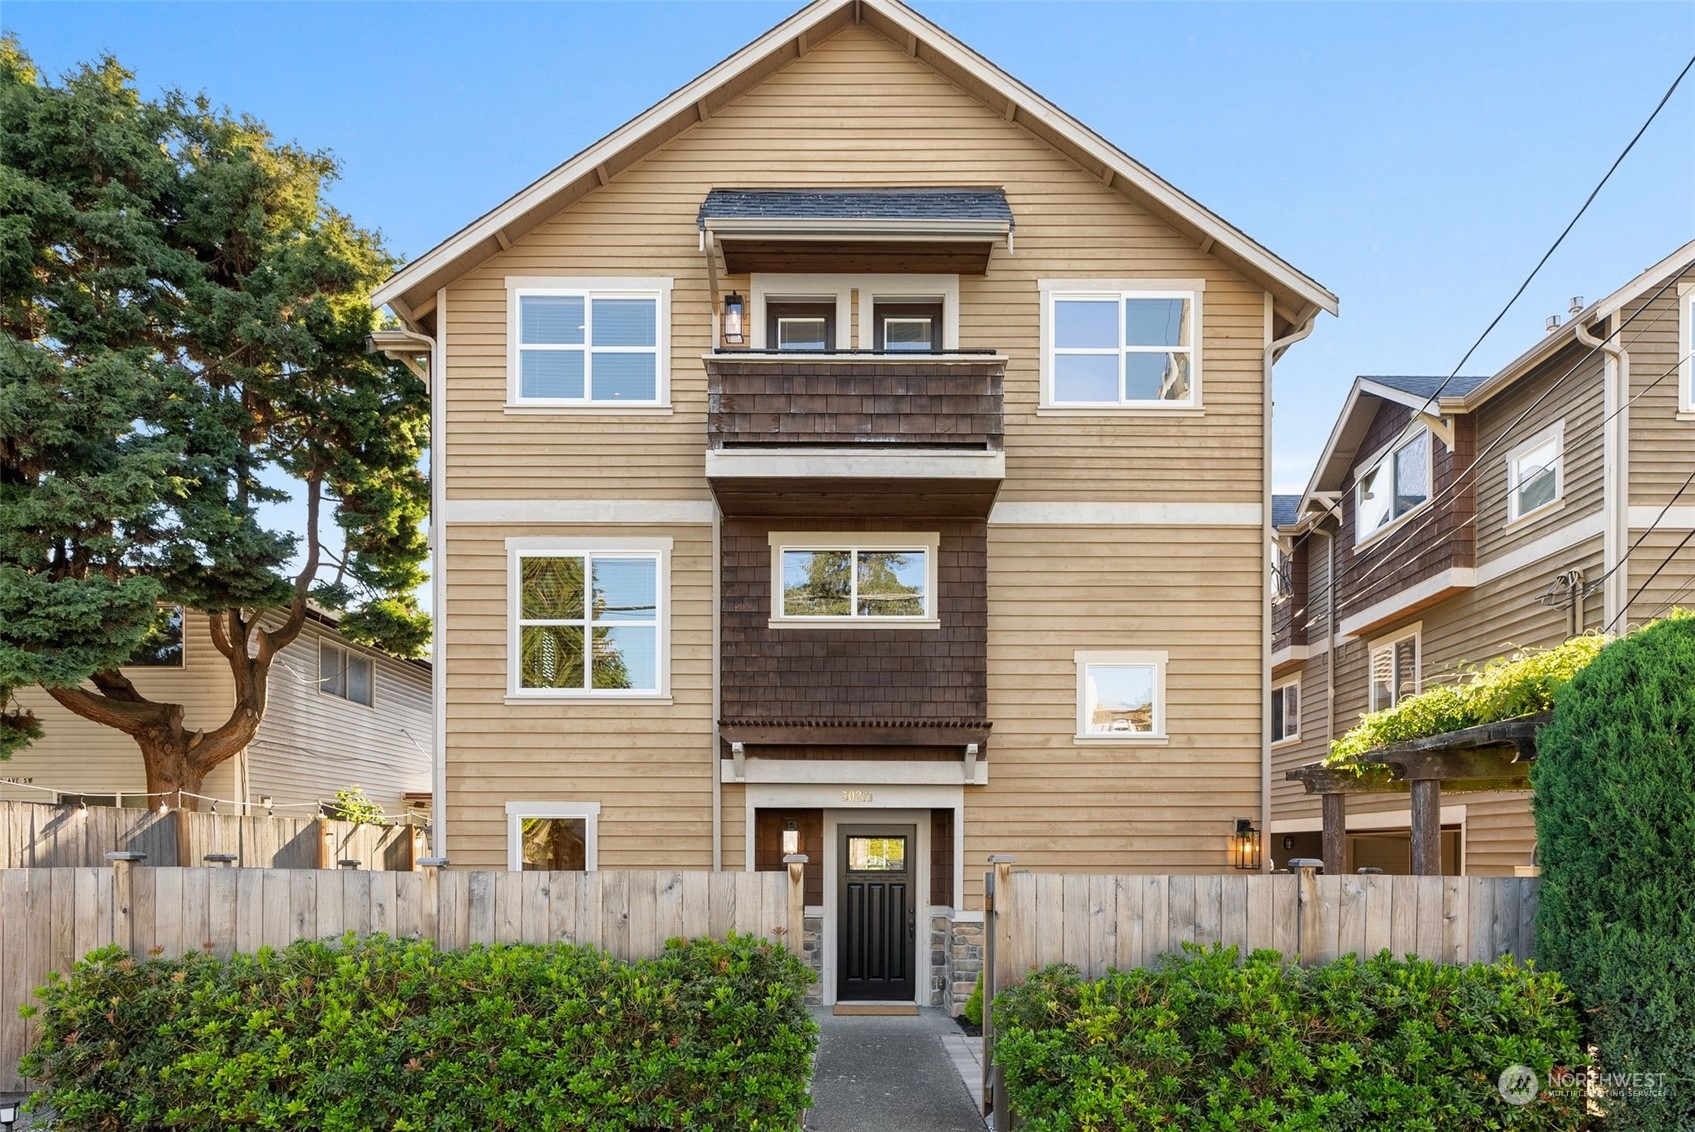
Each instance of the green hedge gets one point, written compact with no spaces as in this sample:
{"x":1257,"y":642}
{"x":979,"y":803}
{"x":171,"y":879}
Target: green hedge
{"x":377,"y":1033}
{"x":1206,"y":1042}
{"x":1615,"y":821}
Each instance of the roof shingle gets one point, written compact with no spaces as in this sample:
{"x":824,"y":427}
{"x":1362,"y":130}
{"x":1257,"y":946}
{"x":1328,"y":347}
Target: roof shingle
{"x":1423,"y":386}
{"x":856,"y":204}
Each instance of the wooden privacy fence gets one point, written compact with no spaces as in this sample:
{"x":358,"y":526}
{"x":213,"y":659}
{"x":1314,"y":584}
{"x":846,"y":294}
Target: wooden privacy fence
{"x":1101,"y":922}
{"x":35,"y":835}
{"x":49,"y":918}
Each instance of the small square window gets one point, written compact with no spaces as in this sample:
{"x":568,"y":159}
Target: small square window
{"x":1535,"y":474}
{"x":552,"y":836}
{"x":1120,"y":695}
{"x":345,"y":674}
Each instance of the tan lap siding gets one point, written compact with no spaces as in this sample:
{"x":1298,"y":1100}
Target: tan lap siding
{"x":1662,"y":448}
{"x":1060,"y":805}
{"x":647,"y":764}
{"x":856,"y":110}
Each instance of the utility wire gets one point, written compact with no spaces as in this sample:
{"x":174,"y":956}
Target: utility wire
{"x":1625,"y":608}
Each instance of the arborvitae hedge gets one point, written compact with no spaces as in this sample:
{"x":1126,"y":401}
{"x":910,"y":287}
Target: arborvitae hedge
{"x":1204,"y":1043}
{"x":1615,"y":821}
{"x":387,"y":1034}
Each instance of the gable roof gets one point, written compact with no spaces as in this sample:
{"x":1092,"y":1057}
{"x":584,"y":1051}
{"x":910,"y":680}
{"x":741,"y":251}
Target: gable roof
{"x":919,"y":204}
{"x":1426,"y":387}
{"x":410,"y":292}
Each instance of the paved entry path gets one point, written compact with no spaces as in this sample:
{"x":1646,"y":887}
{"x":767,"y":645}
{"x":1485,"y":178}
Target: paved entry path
{"x":889,"y":1075}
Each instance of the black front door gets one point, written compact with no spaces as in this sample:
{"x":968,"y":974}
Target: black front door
{"x":877,"y":918}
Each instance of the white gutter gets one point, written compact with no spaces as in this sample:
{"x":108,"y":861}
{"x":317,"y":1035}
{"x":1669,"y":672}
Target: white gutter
{"x":1615,"y":464}
{"x":1273,"y":347}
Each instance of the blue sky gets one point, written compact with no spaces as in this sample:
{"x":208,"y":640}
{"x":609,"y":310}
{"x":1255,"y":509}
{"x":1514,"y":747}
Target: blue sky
{"x":1417,"y":159}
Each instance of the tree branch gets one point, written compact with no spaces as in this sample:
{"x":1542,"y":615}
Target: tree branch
{"x":273,"y":641}
{"x":126,"y":716}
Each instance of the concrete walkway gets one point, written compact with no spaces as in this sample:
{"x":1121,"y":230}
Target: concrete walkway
{"x":891,"y":1075}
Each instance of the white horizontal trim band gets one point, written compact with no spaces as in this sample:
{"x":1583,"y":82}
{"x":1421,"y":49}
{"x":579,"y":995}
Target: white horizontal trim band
{"x":1128,"y":514}
{"x":1455,"y":577}
{"x":790,"y":463}
{"x":587,"y":511}
{"x":1677,"y":518}
{"x":1571,"y":535}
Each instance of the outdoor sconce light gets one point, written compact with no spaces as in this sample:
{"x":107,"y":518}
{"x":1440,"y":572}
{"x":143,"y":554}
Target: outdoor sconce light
{"x":1244,"y":845}
{"x":733,"y":319}
{"x":8,"y":1115}
{"x":266,"y":801}
{"x":791,"y":840}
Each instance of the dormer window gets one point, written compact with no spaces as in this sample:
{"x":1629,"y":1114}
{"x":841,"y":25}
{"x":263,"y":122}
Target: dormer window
{"x":1392,"y":486}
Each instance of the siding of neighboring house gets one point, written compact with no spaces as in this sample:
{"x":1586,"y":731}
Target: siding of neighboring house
{"x":312,"y":744}
{"x":77,"y":755}
{"x":857,"y":109}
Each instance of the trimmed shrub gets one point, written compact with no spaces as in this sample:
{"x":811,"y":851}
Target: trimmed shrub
{"x":1614,"y":800}
{"x":972,"y":1012}
{"x":1205,"y":1042}
{"x":382,"y":1033}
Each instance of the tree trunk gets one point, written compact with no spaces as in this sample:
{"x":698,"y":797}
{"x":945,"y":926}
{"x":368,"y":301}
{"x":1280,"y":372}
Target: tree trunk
{"x":171,"y":769}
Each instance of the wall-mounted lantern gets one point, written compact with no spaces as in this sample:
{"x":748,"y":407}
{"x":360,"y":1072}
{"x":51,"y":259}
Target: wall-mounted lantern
{"x":791,"y":839}
{"x":1245,"y":845}
{"x":733,"y":309}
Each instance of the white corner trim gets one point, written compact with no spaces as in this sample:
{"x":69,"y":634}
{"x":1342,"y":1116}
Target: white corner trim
{"x":885,"y":463}
{"x":1573,"y":534}
{"x":1127,"y":514}
{"x":646,"y":512}
{"x":1677,"y":518}
{"x":516,"y":812}
{"x":1455,"y":577}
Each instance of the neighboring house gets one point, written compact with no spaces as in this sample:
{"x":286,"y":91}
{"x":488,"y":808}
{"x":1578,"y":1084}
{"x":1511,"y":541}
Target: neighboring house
{"x":337,"y":713}
{"x":852,"y":453}
{"x":1513,"y":510}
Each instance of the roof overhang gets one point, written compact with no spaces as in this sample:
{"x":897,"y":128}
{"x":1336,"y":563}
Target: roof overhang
{"x":1297,"y":298}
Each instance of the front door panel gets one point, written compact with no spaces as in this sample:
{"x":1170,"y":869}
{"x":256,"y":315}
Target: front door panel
{"x":877,"y":917}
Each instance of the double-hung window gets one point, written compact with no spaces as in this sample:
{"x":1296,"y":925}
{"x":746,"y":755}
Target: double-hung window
{"x":1286,"y":712}
{"x":1536,"y":473}
{"x":589,"y":345}
{"x":587,"y":620}
{"x":1121,"y":349}
{"x":1120,"y":695}
{"x":868,"y":579}
{"x":1395,"y":484}
{"x":1394,"y":670}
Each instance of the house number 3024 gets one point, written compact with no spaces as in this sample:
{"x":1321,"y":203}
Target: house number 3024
{"x":856,"y":795}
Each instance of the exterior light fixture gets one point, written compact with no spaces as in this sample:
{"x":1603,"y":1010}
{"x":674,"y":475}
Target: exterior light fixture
{"x":791,"y":840}
{"x":1245,"y":845}
{"x":733,"y":309}
{"x":8,"y":1114}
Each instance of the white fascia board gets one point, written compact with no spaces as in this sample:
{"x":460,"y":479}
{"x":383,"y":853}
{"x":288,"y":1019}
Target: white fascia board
{"x":869,"y":772}
{"x":801,"y":463}
{"x":1127,"y":514}
{"x":1455,"y":577}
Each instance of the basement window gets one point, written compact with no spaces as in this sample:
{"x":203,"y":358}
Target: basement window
{"x":552,"y":836}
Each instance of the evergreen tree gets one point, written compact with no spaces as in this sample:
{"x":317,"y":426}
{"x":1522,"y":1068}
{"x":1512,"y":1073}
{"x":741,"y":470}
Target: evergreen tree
{"x":184,"y":322}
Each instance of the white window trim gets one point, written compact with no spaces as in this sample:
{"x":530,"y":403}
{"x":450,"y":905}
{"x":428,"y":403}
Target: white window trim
{"x":516,"y":812}
{"x":1278,"y":686}
{"x":1386,"y":454}
{"x":563,"y":546}
{"x":1414,"y":632}
{"x":1085,"y":658}
{"x":927,"y":541}
{"x":1557,"y":433}
{"x":591,"y":286}
{"x":341,"y":647}
{"x":1686,"y":348}
{"x":1121,"y":289}
{"x":765,"y":286}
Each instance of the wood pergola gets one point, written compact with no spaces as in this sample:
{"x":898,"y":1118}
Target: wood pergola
{"x":1492,"y":756}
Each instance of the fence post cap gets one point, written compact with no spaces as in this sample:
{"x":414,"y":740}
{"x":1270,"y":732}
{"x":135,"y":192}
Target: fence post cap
{"x":1001,"y":858}
{"x":1369,"y":870}
{"x":433,"y":862}
{"x":348,"y":863}
{"x":796,"y":859}
{"x":220,"y":858}
{"x":125,"y":855}
{"x":1306,"y":863}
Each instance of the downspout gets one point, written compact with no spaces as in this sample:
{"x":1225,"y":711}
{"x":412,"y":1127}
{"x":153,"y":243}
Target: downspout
{"x":1273,"y":347}
{"x":717,"y":688}
{"x":438,"y":570}
{"x":1329,"y":638}
{"x":1615,"y":463}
